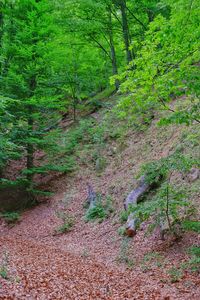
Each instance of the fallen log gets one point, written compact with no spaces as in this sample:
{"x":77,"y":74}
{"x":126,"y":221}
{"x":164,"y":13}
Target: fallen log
{"x":193,"y":175}
{"x":135,"y":195}
{"x":133,"y":198}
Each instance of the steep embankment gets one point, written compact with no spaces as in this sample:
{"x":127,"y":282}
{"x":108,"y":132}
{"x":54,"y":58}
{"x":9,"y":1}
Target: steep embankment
{"x":93,"y":261}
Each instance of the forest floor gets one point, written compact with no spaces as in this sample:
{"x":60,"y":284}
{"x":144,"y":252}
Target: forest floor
{"x":93,"y":261}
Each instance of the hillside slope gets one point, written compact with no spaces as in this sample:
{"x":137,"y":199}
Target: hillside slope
{"x":93,"y":261}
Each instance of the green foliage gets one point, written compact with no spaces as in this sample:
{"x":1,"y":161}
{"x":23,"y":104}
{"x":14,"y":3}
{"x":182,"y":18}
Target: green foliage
{"x":194,"y":263}
{"x":150,"y":260}
{"x":98,"y":101}
{"x":8,"y":148}
{"x":124,"y":255}
{"x":20,"y":182}
{"x":190,"y":225}
{"x":175,"y":274}
{"x":101,"y":210}
{"x":169,"y":206}
{"x":29,"y":104}
{"x":124,"y":216}
{"x":63,"y":168}
{"x":166,"y":66}
{"x":10,"y":217}
{"x":67,"y":222}
{"x":78,"y":135}
{"x":184,"y":115}
{"x":160,"y":169}
{"x":4,"y":272}
{"x":4,"y":266}
{"x":57,"y":54}
{"x":96,"y":213}
{"x":121,"y":230}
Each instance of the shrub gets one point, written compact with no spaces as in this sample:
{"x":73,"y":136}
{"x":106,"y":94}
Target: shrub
{"x":121,"y":230}
{"x":124,"y":216}
{"x":4,"y":272}
{"x":169,"y":207}
{"x":67,"y":222}
{"x":191,"y":225}
{"x":175,"y":274}
{"x":101,"y":210}
{"x":125,"y":253}
{"x":4,"y":266}
{"x":194,"y":262}
{"x":97,"y":212}
{"x":152,"y":259}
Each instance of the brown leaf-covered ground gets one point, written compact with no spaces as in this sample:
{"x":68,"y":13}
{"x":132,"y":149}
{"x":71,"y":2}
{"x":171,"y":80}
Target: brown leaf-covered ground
{"x":93,"y":261}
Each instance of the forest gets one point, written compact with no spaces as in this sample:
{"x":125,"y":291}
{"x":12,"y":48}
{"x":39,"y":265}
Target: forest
{"x":99,"y":149}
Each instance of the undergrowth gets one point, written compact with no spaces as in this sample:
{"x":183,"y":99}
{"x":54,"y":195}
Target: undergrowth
{"x":67,"y":222}
{"x":10,"y":217}
{"x":169,"y":208}
{"x":151,"y":260}
{"x":101,"y":210}
{"x":4,"y":266}
{"x":124,"y":255}
{"x":193,"y":263}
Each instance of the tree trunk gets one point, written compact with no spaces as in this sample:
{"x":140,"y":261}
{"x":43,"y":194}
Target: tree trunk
{"x":30,"y":147}
{"x":132,"y":199}
{"x":150,"y":15}
{"x":74,"y":109}
{"x":125,"y":28}
{"x":30,"y":121}
{"x":92,"y":197}
{"x":112,"y":48}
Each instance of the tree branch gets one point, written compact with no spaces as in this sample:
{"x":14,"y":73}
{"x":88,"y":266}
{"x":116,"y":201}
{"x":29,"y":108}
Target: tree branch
{"x":172,"y":110}
{"x":140,"y":22}
{"x":100,"y":46}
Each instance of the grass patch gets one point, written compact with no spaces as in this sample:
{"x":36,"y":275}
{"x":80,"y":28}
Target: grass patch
{"x":4,"y":266}
{"x":67,"y":223}
{"x":151,"y":260}
{"x":4,"y":272}
{"x":125,"y":253}
{"x":193,"y":263}
{"x":175,"y":274}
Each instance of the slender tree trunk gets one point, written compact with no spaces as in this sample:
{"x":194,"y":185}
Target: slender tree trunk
{"x":112,"y":49}
{"x":125,"y":29}
{"x":30,"y":147}
{"x":74,"y":99}
{"x":74,"y":108}
{"x":167,"y":205}
{"x":150,"y":15}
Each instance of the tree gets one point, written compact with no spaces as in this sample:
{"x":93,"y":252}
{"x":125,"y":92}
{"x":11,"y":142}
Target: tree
{"x":167,"y":64}
{"x":121,"y":4}
{"x":91,"y":24}
{"x":28,"y":74}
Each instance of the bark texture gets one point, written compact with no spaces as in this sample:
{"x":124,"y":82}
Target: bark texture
{"x":125,"y":29}
{"x":132,"y":199}
{"x":92,"y":197}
